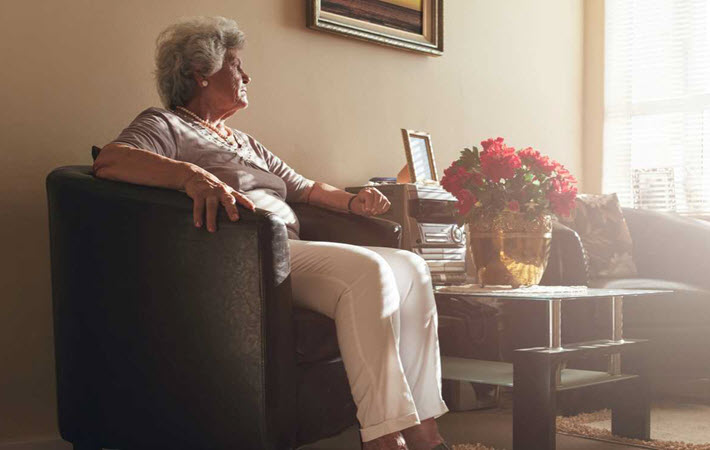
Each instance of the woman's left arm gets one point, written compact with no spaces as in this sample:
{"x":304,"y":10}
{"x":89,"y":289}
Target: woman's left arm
{"x":368,"y":202}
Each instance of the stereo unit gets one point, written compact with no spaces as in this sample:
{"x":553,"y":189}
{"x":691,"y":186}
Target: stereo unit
{"x":428,"y":217}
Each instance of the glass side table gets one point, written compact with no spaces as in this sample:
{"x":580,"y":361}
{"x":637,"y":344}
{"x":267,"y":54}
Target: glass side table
{"x":538,"y":374}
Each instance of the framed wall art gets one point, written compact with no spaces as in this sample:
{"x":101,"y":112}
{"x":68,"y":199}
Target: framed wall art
{"x":416,"y":25}
{"x":420,"y":156}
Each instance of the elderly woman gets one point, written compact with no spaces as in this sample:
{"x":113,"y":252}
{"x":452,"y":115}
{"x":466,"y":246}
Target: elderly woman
{"x":388,"y":301}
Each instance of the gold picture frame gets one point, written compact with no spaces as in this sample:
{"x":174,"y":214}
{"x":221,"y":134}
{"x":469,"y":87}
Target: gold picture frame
{"x":416,"y":25}
{"x":420,"y":156}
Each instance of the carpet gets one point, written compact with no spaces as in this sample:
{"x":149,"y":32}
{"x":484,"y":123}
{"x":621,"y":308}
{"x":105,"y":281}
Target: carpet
{"x":674,"y":426}
{"x":471,"y":447}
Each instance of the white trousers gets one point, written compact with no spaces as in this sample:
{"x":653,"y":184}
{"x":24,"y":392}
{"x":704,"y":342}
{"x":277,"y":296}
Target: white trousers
{"x":383,"y":305}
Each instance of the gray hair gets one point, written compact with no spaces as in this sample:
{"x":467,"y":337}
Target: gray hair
{"x":196,"y":45}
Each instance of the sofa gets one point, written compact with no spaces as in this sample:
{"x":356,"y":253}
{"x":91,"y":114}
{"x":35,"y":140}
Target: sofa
{"x":170,"y":337}
{"x":670,"y":252}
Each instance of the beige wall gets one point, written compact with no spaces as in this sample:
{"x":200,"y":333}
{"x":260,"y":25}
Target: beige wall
{"x":76,"y":71}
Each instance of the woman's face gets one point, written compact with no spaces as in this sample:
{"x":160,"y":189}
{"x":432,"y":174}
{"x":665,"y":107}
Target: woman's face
{"x":227,"y":87}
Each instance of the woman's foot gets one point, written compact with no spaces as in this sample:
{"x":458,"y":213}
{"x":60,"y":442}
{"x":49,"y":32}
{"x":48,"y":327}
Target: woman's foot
{"x":424,"y":436}
{"x":392,"y":441}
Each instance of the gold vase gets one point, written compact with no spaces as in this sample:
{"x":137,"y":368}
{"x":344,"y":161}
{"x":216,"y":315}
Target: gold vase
{"x":510,"y":248}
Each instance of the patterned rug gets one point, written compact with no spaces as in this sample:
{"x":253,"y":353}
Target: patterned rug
{"x":673,"y":427}
{"x":471,"y":447}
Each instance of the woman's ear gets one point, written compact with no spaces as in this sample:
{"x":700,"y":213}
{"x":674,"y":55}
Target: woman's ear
{"x":201,"y":80}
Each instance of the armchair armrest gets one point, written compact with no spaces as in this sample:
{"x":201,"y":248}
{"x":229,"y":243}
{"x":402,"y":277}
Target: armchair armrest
{"x":164,"y":331}
{"x":318,"y":224}
{"x":568,"y":265}
{"x":669,"y":246}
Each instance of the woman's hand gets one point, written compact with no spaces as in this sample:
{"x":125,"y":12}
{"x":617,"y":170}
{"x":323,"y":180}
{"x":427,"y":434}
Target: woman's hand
{"x":369,"y":202}
{"x":207,"y":193}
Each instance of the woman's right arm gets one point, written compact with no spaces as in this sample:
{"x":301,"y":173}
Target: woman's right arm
{"x":121,"y":162}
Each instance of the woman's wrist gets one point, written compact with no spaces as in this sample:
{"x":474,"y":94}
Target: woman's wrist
{"x":190,"y":172}
{"x":310,"y":192}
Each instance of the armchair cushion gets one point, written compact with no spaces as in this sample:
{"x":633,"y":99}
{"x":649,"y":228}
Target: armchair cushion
{"x":600,"y":223}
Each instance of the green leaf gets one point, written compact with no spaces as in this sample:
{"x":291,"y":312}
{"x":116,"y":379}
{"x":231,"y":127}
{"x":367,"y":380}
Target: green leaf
{"x":470,"y":158}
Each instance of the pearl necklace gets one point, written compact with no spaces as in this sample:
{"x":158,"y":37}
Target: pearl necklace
{"x":209,"y":126}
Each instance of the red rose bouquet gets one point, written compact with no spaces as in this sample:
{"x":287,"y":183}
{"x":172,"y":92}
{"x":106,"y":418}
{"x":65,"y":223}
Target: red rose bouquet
{"x":499,"y":179}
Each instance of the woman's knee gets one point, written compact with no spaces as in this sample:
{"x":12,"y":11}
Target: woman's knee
{"x":369,"y":268}
{"x":359,"y":270}
{"x":410,"y":265}
{"x":420,"y":265}
{"x":348,"y":275}
{"x":413,"y":272}
{"x":358,"y":262}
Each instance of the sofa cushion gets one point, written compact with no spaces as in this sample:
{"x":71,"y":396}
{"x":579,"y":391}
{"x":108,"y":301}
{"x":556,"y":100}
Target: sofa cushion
{"x":316,"y":339}
{"x":600,"y":224}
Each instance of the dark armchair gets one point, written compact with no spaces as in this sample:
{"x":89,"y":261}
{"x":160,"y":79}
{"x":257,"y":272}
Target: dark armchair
{"x":167,"y":336}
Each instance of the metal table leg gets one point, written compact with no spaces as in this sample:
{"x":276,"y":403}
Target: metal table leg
{"x":554,"y":318}
{"x":617,"y":333}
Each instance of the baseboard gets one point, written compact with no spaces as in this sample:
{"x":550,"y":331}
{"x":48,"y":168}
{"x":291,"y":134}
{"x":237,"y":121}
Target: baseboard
{"x":48,"y":443}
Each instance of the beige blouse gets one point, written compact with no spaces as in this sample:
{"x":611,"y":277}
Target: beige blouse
{"x":245,"y":165}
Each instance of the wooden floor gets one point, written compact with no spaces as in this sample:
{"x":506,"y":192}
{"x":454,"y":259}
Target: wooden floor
{"x":490,"y":427}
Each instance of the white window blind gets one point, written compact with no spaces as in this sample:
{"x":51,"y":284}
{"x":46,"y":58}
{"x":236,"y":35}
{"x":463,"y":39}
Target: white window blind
{"x":657,"y":104}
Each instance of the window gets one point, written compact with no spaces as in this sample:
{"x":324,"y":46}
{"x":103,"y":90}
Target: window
{"x":657,"y":104}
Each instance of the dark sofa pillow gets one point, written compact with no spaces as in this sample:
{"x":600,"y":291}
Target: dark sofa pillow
{"x":600,"y":224}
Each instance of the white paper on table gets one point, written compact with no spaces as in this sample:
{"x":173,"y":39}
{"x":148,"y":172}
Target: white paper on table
{"x":493,"y":289}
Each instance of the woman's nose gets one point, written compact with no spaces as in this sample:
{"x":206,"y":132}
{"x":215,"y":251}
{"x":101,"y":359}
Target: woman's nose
{"x":245,"y":78}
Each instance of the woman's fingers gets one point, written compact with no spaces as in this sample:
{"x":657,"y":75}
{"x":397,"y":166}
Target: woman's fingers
{"x":382,"y":204}
{"x":229,"y":203}
{"x":372,"y":202}
{"x":198,"y":211}
{"x":369,"y":200}
{"x":212,"y":203}
{"x":244,"y":200}
{"x":208,"y":193}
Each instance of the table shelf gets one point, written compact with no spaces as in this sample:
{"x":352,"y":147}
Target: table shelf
{"x":501,"y":374}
